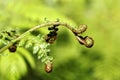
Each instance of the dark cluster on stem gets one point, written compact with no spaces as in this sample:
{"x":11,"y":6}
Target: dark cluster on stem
{"x":13,"y":48}
{"x":8,"y":36}
{"x":52,"y":35}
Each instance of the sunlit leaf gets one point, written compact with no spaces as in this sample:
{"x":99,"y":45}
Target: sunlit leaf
{"x":35,"y":49}
{"x":12,"y":66}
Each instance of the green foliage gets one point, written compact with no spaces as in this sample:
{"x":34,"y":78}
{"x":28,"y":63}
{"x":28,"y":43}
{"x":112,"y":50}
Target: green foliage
{"x":40,"y":47}
{"x":71,"y":61}
{"x":21,"y":16}
{"x":13,"y":66}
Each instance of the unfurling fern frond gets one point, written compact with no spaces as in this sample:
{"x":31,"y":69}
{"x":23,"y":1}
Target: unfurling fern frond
{"x":39,"y":44}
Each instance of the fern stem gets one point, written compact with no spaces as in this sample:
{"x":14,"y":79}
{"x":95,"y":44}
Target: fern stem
{"x":35,"y":28}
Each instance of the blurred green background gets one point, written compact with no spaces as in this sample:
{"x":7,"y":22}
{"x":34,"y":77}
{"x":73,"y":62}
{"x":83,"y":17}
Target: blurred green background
{"x":72,"y":61}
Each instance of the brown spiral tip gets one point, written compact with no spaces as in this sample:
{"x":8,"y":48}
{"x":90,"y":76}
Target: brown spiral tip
{"x":89,"y":42}
{"x":48,"y":67}
{"x":82,"y":28}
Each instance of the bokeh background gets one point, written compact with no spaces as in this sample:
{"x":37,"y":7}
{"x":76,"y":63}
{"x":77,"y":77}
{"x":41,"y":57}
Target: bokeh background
{"x":72,"y":61}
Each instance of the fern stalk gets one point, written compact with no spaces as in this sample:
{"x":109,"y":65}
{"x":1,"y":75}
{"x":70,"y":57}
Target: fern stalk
{"x":32,"y":29}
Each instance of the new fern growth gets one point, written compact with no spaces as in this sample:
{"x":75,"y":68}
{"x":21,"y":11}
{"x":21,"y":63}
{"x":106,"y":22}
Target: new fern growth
{"x":11,"y":40}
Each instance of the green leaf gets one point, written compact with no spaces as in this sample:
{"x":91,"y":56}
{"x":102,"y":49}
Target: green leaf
{"x":28,"y":44}
{"x":12,"y":66}
{"x":3,"y":42}
{"x":27,"y":55}
{"x":40,"y":54}
{"x":35,"y":49}
{"x":21,"y":43}
{"x":50,"y":58}
{"x":44,"y":59}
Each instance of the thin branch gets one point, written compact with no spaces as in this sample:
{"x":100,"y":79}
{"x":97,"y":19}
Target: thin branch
{"x":35,"y":28}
